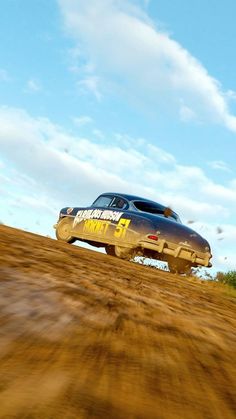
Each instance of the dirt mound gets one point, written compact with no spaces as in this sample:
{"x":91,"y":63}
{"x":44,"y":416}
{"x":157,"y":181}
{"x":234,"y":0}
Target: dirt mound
{"x":85,"y":335}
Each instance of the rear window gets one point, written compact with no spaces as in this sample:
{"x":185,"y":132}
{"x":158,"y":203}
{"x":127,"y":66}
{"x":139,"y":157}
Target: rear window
{"x":154,"y":208}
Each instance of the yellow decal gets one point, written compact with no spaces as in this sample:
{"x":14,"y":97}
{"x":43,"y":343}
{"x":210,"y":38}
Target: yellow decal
{"x":121,"y":228}
{"x":96,"y":227}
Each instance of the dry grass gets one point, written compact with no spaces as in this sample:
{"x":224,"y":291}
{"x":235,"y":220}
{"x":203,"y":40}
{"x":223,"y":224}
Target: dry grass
{"x":85,"y":335}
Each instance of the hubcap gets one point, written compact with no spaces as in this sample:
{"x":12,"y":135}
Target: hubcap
{"x":64,"y":231}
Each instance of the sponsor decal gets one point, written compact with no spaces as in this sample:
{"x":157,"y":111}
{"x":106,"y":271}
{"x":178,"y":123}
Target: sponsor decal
{"x":98,"y":214}
{"x":121,"y":228}
{"x":69,"y":210}
{"x":96,"y":227}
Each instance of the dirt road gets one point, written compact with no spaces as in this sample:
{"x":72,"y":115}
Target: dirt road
{"x":85,"y":335}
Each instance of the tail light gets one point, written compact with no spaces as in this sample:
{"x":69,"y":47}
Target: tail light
{"x":153,"y":237}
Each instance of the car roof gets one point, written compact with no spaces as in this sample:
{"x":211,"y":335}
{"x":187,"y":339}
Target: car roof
{"x":129,"y":197}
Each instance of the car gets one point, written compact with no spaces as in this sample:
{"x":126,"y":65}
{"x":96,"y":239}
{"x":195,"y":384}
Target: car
{"x":127,"y":226}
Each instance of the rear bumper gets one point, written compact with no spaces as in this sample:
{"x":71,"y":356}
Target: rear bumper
{"x":178,"y":251}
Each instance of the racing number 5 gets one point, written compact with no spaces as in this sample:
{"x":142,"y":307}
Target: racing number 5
{"x":121,"y":228}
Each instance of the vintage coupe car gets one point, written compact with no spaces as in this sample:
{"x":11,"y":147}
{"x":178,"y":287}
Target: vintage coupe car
{"x":128,"y":225}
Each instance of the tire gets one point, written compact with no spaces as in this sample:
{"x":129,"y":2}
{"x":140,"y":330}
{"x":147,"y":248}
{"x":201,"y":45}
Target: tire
{"x":120,"y":252}
{"x":179,"y":266}
{"x":63,"y":230}
{"x":110,"y":250}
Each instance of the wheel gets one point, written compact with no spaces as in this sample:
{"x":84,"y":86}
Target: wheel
{"x":110,"y":250}
{"x":120,"y":252}
{"x":63,"y":230}
{"x":178,"y":266}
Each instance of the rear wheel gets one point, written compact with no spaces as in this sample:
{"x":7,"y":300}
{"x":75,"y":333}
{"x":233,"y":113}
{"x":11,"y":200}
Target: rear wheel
{"x":121,"y":252}
{"x":63,"y":230}
{"x":179,"y":266}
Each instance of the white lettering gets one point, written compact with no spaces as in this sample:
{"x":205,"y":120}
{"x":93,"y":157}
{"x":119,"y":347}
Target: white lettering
{"x":98,"y":214}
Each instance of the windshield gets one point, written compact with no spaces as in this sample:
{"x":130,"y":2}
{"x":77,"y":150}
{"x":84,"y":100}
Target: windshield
{"x":154,"y":208}
{"x":102,"y":201}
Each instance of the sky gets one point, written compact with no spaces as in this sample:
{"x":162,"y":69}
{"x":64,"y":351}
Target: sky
{"x":130,"y":96}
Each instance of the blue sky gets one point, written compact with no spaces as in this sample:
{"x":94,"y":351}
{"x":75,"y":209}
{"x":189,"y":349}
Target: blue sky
{"x":133,"y":96}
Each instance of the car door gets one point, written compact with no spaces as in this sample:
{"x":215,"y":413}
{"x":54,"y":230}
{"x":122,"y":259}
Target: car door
{"x":91,"y":223}
{"x":119,"y":227}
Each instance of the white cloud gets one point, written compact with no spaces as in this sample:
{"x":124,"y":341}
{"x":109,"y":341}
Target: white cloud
{"x":33,"y":86}
{"x":90,"y":84}
{"x":99,"y":134}
{"x":160,"y":155}
{"x":219,"y":165}
{"x":223,"y":243}
{"x":231,"y":94}
{"x":43,"y":204}
{"x":39,"y":174}
{"x":82,"y":120}
{"x":4,"y":76}
{"x":211,"y":189}
{"x":122,"y":43}
{"x":39,"y":148}
{"x":36,"y":148}
{"x":186,"y":114}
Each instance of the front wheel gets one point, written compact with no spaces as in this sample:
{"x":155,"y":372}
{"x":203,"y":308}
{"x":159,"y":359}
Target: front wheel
{"x":63,"y":230}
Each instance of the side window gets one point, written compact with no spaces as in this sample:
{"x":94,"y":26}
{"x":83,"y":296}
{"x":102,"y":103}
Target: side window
{"x":102,"y":201}
{"x":118,"y":203}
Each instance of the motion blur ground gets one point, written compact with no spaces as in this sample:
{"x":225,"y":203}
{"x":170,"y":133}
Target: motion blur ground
{"x":86,"y":335}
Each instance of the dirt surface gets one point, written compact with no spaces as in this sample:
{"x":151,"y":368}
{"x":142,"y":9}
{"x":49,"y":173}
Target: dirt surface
{"x":85,"y":335}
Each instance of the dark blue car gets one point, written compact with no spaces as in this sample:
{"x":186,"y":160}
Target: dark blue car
{"x":127,"y":225}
